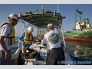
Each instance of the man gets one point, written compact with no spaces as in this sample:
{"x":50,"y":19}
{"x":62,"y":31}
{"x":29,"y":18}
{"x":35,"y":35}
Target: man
{"x":7,"y":38}
{"x":53,"y":42}
{"x":26,"y":39}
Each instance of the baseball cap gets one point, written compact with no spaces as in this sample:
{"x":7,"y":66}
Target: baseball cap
{"x":50,"y":26}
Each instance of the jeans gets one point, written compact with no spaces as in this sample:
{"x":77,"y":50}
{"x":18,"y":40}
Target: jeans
{"x":2,"y":56}
{"x":54,"y":56}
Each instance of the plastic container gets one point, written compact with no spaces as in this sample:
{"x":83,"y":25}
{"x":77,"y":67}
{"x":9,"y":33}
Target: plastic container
{"x":43,"y":55}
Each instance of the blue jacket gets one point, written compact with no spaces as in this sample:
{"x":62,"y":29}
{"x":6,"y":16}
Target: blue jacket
{"x":21,"y":38}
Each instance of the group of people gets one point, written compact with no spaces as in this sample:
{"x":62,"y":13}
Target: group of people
{"x":7,"y":38}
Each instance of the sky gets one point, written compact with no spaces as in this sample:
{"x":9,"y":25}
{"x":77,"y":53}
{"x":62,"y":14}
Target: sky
{"x":67,"y":10}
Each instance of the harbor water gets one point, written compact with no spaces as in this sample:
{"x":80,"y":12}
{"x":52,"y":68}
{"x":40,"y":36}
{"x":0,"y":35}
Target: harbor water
{"x":14,"y":47}
{"x":78,"y":50}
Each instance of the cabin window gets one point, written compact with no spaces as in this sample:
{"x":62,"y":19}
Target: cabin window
{"x":83,"y":27}
{"x":68,"y":31}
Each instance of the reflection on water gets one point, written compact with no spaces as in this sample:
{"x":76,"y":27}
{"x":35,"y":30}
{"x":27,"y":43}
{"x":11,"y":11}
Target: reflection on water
{"x":80,"y":49}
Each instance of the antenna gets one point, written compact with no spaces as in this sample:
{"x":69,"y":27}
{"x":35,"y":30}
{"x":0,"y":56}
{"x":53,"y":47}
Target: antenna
{"x":58,"y":8}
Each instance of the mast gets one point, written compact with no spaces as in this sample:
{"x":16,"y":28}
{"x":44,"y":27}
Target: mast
{"x":75,"y":17}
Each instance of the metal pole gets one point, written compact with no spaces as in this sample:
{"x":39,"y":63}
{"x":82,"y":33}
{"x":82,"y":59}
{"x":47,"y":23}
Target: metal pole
{"x":27,"y":26}
{"x":22,"y":31}
{"x":63,"y":36}
{"x":67,"y":56}
{"x":80,"y":17}
{"x":23,"y":27}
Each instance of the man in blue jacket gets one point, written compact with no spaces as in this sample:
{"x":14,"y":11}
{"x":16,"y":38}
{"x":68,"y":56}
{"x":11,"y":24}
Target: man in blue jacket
{"x":26,"y":39}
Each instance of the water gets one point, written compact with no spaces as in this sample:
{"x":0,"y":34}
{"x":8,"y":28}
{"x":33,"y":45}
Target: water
{"x":78,"y":50}
{"x":14,"y":47}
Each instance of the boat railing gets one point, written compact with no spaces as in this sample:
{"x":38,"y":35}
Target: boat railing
{"x":67,"y":56}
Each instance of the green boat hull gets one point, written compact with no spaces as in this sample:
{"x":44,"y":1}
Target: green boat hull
{"x":78,"y":35}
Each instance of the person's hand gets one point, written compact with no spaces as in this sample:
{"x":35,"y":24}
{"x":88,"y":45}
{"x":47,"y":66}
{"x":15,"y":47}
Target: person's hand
{"x":31,"y":47}
{"x":6,"y":56}
{"x":22,"y":42}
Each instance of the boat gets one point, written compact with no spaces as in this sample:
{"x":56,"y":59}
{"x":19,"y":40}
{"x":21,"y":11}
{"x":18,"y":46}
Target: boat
{"x":82,"y":31}
{"x":37,"y":53}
